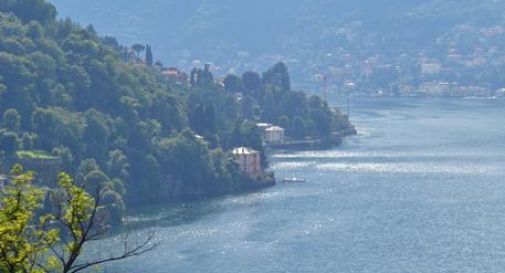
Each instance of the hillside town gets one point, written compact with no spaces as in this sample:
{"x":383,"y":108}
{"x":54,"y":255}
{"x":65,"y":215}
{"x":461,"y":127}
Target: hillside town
{"x":464,"y":61}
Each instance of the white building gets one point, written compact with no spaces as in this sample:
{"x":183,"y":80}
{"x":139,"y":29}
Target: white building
{"x":249,"y":161}
{"x":274,"y":134}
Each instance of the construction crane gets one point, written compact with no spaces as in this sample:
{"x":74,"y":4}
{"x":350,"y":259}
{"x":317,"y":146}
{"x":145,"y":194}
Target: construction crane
{"x":349,"y":88}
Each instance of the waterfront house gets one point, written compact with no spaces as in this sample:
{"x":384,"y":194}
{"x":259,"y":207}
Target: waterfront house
{"x":274,"y":134}
{"x":249,"y":161}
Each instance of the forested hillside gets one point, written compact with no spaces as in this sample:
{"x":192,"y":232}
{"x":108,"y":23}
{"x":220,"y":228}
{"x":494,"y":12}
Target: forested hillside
{"x":66,"y":93}
{"x":67,"y":96}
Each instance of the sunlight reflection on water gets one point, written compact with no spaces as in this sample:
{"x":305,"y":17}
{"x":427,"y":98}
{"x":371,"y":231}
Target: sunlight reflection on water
{"x":421,"y":189}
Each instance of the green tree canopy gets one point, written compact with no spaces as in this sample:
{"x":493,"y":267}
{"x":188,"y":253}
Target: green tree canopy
{"x":252,"y":82}
{"x":9,"y":143}
{"x":11,"y":120}
{"x":33,"y":241}
{"x":28,"y":10}
{"x":23,"y":240}
{"x":233,"y":83}
{"x":299,"y":129}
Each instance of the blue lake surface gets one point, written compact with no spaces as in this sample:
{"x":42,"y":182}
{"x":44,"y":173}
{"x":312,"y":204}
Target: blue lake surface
{"x":420,"y":189}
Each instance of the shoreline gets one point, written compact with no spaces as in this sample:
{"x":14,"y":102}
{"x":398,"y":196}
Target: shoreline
{"x":334,"y":140}
{"x":269,"y":181}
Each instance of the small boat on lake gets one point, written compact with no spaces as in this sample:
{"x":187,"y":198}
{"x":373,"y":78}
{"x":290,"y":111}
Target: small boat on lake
{"x":293,"y":180}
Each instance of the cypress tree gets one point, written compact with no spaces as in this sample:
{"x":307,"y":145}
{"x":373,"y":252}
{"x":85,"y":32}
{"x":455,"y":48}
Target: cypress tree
{"x":149,"y":56}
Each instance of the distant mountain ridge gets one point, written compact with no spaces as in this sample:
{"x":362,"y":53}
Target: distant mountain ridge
{"x":218,"y":30}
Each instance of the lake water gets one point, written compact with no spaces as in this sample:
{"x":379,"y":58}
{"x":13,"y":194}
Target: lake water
{"x":420,"y":189}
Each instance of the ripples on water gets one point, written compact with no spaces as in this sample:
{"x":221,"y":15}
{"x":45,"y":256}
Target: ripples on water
{"x":421,"y":189}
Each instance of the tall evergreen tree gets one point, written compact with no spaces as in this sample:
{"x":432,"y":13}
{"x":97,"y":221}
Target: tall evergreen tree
{"x":206,"y":76}
{"x":197,"y":119}
{"x":194,"y":76}
{"x":149,"y":55}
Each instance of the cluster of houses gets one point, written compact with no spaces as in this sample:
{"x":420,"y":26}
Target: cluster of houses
{"x":458,"y":63}
{"x":453,"y":74}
